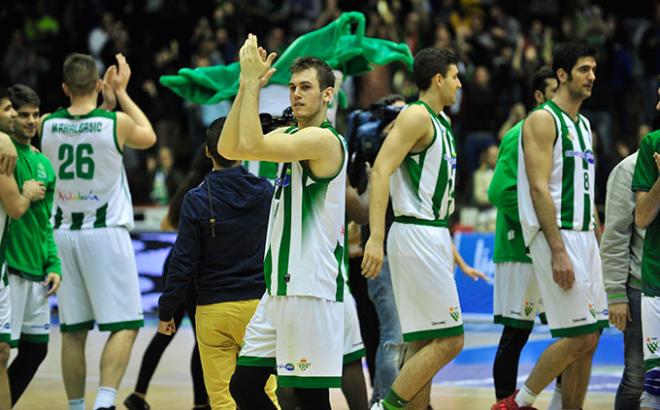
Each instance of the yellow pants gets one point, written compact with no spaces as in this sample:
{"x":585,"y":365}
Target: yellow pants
{"x":220,"y":333}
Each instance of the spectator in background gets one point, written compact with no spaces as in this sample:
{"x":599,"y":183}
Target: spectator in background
{"x":98,"y":38}
{"x":481,"y":179}
{"x":479,"y":116}
{"x":166,"y":178}
{"x":516,"y":114}
{"x":483,"y":175}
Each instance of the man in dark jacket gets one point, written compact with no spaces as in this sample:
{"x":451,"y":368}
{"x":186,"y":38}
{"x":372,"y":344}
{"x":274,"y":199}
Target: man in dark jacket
{"x":220,"y":248}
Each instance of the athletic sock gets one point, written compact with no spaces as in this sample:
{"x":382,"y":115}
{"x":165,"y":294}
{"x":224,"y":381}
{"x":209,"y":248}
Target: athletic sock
{"x":105,"y":397}
{"x":555,"y":401}
{"x":393,"y":401}
{"x":77,"y":404}
{"x":525,"y":397}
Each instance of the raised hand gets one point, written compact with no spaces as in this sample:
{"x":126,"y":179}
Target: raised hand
{"x":109,"y":97}
{"x":119,"y":78}
{"x":256,"y":63}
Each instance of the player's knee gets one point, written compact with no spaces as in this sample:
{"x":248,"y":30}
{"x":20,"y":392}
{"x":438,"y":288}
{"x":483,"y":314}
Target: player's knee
{"x":4,"y":354}
{"x":585,"y":343}
{"x":453,"y":344}
{"x":128,"y":335}
{"x":74,"y":339}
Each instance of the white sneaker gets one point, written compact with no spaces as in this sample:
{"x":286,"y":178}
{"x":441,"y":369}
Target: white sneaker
{"x":378,"y":406}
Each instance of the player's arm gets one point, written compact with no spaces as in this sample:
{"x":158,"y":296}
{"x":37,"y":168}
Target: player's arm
{"x":598,"y":228}
{"x":256,"y":70}
{"x":53,"y":264}
{"x":15,"y":203}
{"x":538,"y":141}
{"x":133,"y":127}
{"x":228,"y":141}
{"x":407,"y":131}
{"x":53,"y":267}
{"x":646,"y":181}
{"x":357,"y":210}
{"x":8,"y":155}
{"x":312,"y":144}
{"x":465,"y":268}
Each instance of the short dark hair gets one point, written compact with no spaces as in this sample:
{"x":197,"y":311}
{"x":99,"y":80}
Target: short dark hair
{"x":212,"y":137}
{"x":431,"y":61}
{"x":539,"y":81}
{"x":80,"y":73}
{"x":4,"y":93}
{"x":567,"y":54}
{"x":22,"y":95}
{"x":323,"y":70}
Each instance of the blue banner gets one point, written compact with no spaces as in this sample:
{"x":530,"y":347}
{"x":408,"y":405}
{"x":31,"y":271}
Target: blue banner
{"x":476,"y":248}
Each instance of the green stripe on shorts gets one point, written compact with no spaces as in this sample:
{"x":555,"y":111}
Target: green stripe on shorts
{"x":517,"y":323}
{"x":575,"y":331}
{"x":251,"y":361}
{"x":603,"y":324}
{"x":433,"y":334}
{"x":356,"y":355}
{"x":309,"y":382}
{"x":89,"y":325}
{"x":5,"y":338}
{"x":112,"y":327}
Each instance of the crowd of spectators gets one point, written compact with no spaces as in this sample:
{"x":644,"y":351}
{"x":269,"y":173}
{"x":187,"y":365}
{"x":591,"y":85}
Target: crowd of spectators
{"x":500,"y":43}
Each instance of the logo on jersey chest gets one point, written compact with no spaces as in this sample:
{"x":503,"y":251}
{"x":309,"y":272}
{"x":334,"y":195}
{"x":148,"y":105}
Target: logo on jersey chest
{"x":284,"y":180}
{"x":587,"y":155}
{"x":652,"y":344}
{"x":451,"y":160}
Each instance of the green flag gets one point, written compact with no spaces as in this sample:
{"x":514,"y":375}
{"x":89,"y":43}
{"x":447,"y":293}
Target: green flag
{"x":337,"y":43}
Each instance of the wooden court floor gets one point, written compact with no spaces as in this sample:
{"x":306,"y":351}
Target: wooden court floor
{"x":171,"y":387}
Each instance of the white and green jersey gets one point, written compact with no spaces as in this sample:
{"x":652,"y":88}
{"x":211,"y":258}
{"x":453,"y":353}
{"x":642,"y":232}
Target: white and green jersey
{"x":92,"y":189}
{"x":422,"y":188}
{"x":571,"y":181}
{"x":263,"y":169}
{"x":305,"y":241}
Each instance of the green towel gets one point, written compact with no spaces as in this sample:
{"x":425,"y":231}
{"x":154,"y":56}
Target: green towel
{"x":345,"y":50}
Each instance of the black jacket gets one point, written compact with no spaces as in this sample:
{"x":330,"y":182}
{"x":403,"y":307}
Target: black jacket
{"x":228,"y":266}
